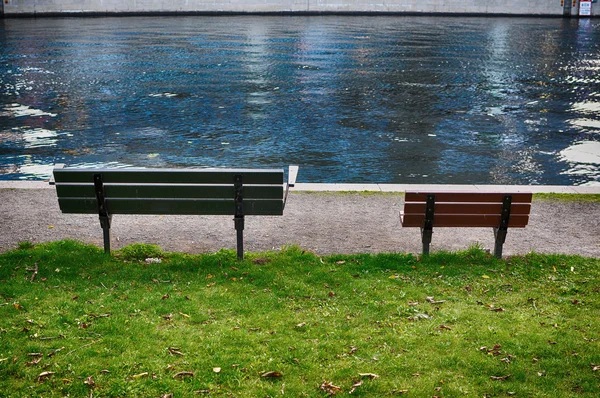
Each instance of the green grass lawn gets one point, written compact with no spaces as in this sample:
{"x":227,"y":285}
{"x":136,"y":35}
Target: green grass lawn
{"x":294,"y":324}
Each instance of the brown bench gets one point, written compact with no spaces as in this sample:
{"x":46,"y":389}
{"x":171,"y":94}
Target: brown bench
{"x":466,"y":209}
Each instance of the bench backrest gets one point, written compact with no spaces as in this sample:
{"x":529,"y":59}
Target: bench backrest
{"x":466,"y":209}
{"x":171,"y":191}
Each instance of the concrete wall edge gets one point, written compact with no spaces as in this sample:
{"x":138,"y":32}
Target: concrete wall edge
{"x":92,"y":14}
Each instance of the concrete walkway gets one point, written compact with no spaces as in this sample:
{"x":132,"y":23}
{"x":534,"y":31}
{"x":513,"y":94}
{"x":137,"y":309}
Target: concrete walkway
{"x":317,"y":187}
{"x":316,"y":218}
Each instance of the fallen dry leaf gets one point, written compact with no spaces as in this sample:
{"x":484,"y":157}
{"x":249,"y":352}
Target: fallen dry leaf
{"x":301,"y":325}
{"x":271,"y":375}
{"x":140,"y":375}
{"x":330,"y":388}
{"x":413,"y":303}
{"x":175,"y":351}
{"x":431,"y":300}
{"x":353,"y":349}
{"x":495,"y":350}
{"x":35,"y":354}
{"x":595,"y":368}
{"x":496,"y":309}
{"x":418,"y":317}
{"x":89,"y":381}
{"x":368,"y":375}
{"x":551,"y":342}
{"x":34,"y":362}
{"x":217,"y":370}
{"x":182,"y":374}
{"x":355,"y":386}
{"x":501,"y":378}
{"x":400,"y":392}
{"x":170,"y":395}
{"x":53,"y":353}
{"x":445,"y":327}
{"x":44,"y":375}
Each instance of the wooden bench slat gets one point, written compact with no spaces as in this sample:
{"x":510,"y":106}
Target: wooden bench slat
{"x":414,"y":196}
{"x":172,"y":206}
{"x":170,"y":176}
{"x":466,"y":208}
{"x":462,"y":220}
{"x":188,"y":191}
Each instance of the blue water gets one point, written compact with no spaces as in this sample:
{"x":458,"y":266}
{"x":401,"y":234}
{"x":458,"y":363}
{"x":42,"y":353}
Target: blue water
{"x":349,"y":99}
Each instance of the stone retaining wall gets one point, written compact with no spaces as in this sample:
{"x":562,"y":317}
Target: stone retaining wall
{"x":502,"y":7}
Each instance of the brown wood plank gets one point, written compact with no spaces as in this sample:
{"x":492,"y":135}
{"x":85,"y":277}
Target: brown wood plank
{"x":416,"y":196}
{"x":466,"y":208}
{"x":461,"y":220}
{"x":171,"y":206}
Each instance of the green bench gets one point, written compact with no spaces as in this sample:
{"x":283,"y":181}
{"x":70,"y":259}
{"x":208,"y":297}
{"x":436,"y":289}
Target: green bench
{"x":233,"y":192}
{"x":466,"y":209}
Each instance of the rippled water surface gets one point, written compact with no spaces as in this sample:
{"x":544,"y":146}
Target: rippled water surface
{"x":350,"y":99}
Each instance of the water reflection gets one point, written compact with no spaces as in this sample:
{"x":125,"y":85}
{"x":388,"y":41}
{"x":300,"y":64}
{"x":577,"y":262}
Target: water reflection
{"x":350,"y":99}
{"x":584,"y":159}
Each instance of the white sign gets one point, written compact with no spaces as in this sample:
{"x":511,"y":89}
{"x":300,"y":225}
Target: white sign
{"x":585,"y":8}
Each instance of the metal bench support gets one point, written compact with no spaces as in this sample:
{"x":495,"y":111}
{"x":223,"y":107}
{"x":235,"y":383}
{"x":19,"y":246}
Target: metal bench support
{"x":239,"y":214}
{"x":500,"y":232}
{"x":105,"y":218}
{"x":427,"y":229}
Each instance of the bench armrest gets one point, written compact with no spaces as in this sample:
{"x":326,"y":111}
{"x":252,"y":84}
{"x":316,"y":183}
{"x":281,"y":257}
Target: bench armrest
{"x":56,"y":166}
{"x":292,"y":175}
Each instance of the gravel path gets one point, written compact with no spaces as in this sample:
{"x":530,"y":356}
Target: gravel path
{"x":320,"y":222}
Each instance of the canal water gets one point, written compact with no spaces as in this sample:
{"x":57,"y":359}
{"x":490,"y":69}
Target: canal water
{"x":350,"y":99}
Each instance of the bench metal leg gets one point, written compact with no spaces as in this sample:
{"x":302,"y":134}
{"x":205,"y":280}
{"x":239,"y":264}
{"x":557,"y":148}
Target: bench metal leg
{"x":427,"y":229}
{"x":238,"y":184}
{"x":500,"y":235}
{"x":500,"y":232}
{"x":239,"y":227}
{"x":426,"y":239}
{"x":105,"y":217}
{"x":105,"y":224}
